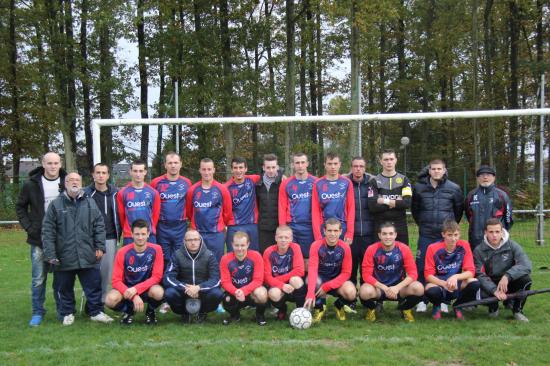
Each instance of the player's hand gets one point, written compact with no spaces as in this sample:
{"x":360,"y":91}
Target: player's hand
{"x":308,"y":304}
{"x":500,"y":295}
{"x":138,"y":304}
{"x":380,"y":201}
{"x":98,"y":254}
{"x":348,"y":241}
{"x":503,"y":284}
{"x":288,"y":289}
{"x":391,"y":204}
{"x":239,"y":295}
{"x":391,"y":292}
{"x":320,"y":292}
{"x":129,"y":293}
{"x":192,"y":291}
{"x":452,"y":283}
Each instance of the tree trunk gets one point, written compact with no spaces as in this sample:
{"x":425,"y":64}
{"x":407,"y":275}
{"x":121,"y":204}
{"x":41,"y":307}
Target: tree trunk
{"x":105,"y":90}
{"x":71,"y":86}
{"x":162,"y":92}
{"x":84,"y":79}
{"x":199,"y":72}
{"x":355,"y":130}
{"x":267,"y":13}
{"x":488,"y":47}
{"x":227,"y":85}
{"x":290,"y":108}
{"x":382,"y":82}
{"x":13,"y":82}
{"x":142,"y":64}
{"x":513,"y":95}
{"x":303,"y":62}
{"x":540,"y":57}
{"x":477,"y":147}
{"x":43,"y":86}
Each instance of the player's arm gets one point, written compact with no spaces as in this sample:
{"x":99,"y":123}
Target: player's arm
{"x":227,"y":207}
{"x":257,"y":276}
{"x":268,"y":275}
{"x":313,"y":268}
{"x":298,"y":268}
{"x":522,"y":266}
{"x":372,"y":200}
{"x":467,"y":207}
{"x":350,"y":213}
{"x":170,"y":278}
{"x":284,"y":214}
{"x":49,"y":234}
{"x":189,"y":205}
{"x":458,"y":204}
{"x":121,"y":210}
{"x":226,"y":282}
{"x":156,"y":275}
{"x":508,"y":220}
{"x":415,"y":204}
{"x":21,"y":208}
{"x":155,"y":214}
{"x":468,"y":266}
{"x":367,"y":267}
{"x":485,"y":281}
{"x":117,"y":279}
{"x":98,"y":227}
{"x":316,"y":213}
{"x":345,"y":273}
{"x":406,"y":194}
{"x":429,"y":269}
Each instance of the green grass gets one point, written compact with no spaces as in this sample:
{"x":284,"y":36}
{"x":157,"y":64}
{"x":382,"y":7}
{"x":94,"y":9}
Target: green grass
{"x":478,"y":341}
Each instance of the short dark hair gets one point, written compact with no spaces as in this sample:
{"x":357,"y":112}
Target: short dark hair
{"x":450,"y":226}
{"x":239,"y":160}
{"x":437,"y":161}
{"x":331,"y":155}
{"x":171,"y":153}
{"x":333,"y":221}
{"x":298,"y":155}
{"x":388,"y":151}
{"x":493,"y":221}
{"x":386,"y":225}
{"x":102,"y":164}
{"x":270,"y":157}
{"x":358,"y":158}
{"x":138,"y":162}
{"x":140,"y":223}
{"x":206,"y":160}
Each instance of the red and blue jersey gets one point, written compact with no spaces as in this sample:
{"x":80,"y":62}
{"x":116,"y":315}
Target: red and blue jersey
{"x":209,"y":209}
{"x":388,"y":267}
{"x":442,"y":264}
{"x":243,"y":199}
{"x":332,"y":264}
{"x":139,"y":270}
{"x":333,"y":198}
{"x":246,"y":275}
{"x":172,"y":195}
{"x":138,"y":203}
{"x":295,"y":200}
{"x":279,"y":268}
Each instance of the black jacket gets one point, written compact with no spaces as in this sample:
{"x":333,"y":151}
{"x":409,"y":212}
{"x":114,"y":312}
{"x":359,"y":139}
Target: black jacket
{"x":72,"y":231}
{"x":431,"y":206}
{"x":203,"y":270}
{"x":268,"y":204}
{"x":112,"y":191}
{"x":364,"y":222}
{"x":30,"y":204}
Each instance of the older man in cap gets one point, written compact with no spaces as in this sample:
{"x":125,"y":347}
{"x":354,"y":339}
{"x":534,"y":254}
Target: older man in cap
{"x":485,"y":202}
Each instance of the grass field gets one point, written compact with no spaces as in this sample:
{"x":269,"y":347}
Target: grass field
{"x":477,"y":341}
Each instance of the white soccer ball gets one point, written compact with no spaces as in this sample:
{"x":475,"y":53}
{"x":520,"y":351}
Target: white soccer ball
{"x":300,"y":318}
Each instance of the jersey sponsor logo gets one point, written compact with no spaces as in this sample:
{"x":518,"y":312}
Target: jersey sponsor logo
{"x":301,"y":196}
{"x":202,"y":204}
{"x":131,"y":204}
{"x":332,"y":196}
{"x":386,"y":268}
{"x":237,"y":200}
{"x":447,"y":267}
{"x":281,"y":269}
{"x":392,"y":196}
{"x":240,"y":281}
{"x":144,"y":268}
{"x":171,"y":196}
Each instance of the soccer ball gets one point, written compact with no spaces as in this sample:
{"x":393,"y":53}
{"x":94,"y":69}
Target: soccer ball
{"x":300,"y":318}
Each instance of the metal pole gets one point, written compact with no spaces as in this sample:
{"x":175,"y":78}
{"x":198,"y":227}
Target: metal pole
{"x":176,"y":92}
{"x":540,"y":214}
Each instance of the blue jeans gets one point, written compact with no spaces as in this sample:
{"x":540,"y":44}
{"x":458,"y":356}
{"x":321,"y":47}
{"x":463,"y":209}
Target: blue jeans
{"x":423,"y":243}
{"x":39,"y":277}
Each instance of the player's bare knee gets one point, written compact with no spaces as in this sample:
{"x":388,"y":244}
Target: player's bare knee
{"x":367,"y":292}
{"x":296,"y":282}
{"x":113,"y":298}
{"x":275,"y":294}
{"x":416,"y":288}
{"x":259,"y":295}
{"x":156,"y":292}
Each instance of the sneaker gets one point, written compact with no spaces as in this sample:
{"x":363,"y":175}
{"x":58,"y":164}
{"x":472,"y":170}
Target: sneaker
{"x":370,"y":315}
{"x":150,"y":317}
{"x":201,"y":318}
{"x":520,"y":317}
{"x":260,"y":320}
{"x":68,"y":319}
{"x":318,"y":314}
{"x":36,"y":320}
{"x":444,"y":308}
{"x":350,"y":309}
{"x":493,"y":314}
{"x":220,"y":309}
{"x":340,"y":314}
{"x":436,"y":312}
{"x":101,"y":318}
{"x":164,"y":308}
{"x":408,"y":315}
{"x":127,"y":319}
{"x":421,"y":307}
{"x":458,"y":314}
{"x":232,"y":319}
{"x":274,"y":311}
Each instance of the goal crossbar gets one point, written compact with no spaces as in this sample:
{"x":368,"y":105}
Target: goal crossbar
{"x":98,"y":123}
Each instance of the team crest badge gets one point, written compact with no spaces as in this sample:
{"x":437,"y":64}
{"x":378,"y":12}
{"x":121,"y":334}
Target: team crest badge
{"x":399,"y":180}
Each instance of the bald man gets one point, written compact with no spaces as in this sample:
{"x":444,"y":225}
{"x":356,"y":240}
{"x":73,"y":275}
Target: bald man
{"x":44,"y":185}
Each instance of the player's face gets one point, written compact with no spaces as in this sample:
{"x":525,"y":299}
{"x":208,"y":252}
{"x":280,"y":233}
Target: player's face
{"x":451,"y":238}
{"x":240,"y":247}
{"x":140,"y":236}
{"x":101,"y":174}
{"x":437,"y":171}
{"x":138,"y":173}
{"x":271,"y":168}
{"x":388,"y":161}
{"x":332,"y":167}
{"x":332,"y":233}
{"x":207,"y":171}
{"x":238,"y":170}
{"x":172,"y":165}
{"x":283,"y":239}
{"x":51,"y":162}
{"x":192,"y":241}
{"x":486,"y":179}
{"x":387,"y":236}
{"x":300,"y":164}
{"x":494,"y":234}
{"x":73,"y":184}
{"x":358,"y":168}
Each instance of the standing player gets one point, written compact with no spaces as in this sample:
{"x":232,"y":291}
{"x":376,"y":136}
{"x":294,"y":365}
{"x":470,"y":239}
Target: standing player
{"x":172,"y":224}
{"x":242,"y":276}
{"x":450,"y":271}
{"x":242,"y":189}
{"x":138,"y":200}
{"x":267,"y":191}
{"x":329,"y":272}
{"x":390,"y":196}
{"x":295,"y":203}
{"x":209,"y":208}
{"x":389,"y":273}
{"x":283,"y":272}
{"x":332,"y":196}
{"x":136,"y":277}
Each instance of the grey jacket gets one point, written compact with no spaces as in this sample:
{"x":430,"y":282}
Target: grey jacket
{"x":72,"y":231}
{"x":491,"y":264}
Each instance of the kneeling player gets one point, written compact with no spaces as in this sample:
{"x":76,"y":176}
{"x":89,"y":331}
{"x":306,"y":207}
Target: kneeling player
{"x":242,"y":274}
{"x":329,"y":272}
{"x":449,"y":271}
{"x":283,"y":272}
{"x":389,"y":273}
{"x":137,"y":273}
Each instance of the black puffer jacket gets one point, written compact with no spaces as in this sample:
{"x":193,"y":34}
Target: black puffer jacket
{"x":268,"y":203}
{"x":364,"y":222}
{"x":431,"y":206}
{"x":203,"y":270}
{"x":72,"y":231}
{"x":30,"y":204}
